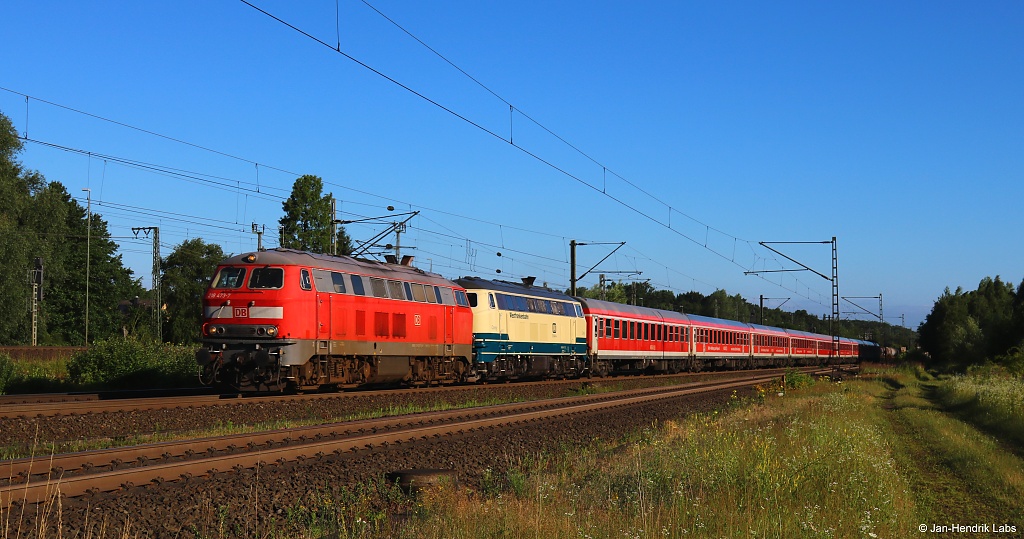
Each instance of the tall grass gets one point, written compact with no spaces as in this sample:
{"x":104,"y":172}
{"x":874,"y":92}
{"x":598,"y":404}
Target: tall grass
{"x":991,"y":398}
{"x":789,"y":469}
{"x":959,"y":473}
{"x":32,"y":375}
{"x":110,"y":364}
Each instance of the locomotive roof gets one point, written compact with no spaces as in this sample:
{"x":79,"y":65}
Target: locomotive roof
{"x":287,"y":257}
{"x":612,"y":307}
{"x":513,"y":288}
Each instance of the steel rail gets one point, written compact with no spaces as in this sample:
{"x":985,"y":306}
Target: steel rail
{"x":37,"y":490}
{"x":63,"y":404}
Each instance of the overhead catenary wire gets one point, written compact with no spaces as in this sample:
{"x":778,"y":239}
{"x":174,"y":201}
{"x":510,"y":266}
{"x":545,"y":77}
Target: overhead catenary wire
{"x":225,"y":184}
{"x":193,"y":176}
{"x":521,"y":148}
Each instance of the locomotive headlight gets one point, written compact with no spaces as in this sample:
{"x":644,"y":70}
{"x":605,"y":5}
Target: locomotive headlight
{"x":219,"y":330}
{"x":272,"y":331}
{"x":261,"y":331}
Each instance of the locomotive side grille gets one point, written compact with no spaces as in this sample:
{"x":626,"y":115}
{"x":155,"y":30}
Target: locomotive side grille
{"x":432,"y":328}
{"x":361,"y":323}
{"x":398,"y":325}
{"x":380,"y":325}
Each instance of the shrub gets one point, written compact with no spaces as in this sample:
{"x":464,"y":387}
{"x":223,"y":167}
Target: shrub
{"x":6,"y":371}
{"x":130,"y":363}
{"x":796,"y":379}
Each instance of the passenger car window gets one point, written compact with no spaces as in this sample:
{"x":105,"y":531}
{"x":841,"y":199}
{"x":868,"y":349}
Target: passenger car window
{"x":229,"y":278}
{"x":266,"y":277}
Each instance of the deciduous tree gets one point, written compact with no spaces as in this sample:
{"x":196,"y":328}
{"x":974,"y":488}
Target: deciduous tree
{"x":186,"y":274}
{"x":307,"y":221}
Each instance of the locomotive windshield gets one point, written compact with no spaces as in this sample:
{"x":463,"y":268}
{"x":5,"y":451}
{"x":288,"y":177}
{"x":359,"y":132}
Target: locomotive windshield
{"x":229,"y":278}
{"x":266,"y":278}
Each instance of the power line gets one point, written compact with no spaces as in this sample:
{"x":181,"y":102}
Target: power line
{"x":509,"y":140}
{"x":200,"y":178}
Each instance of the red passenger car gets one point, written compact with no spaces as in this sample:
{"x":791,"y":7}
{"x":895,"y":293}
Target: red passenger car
{"x":627,"y":338}
{"x":282,"y":319}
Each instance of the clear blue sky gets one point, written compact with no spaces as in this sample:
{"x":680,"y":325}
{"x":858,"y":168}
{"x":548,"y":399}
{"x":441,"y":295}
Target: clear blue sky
{"x":897,"y":127}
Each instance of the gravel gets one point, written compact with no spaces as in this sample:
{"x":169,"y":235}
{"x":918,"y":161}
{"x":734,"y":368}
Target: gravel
{"x":233,"y":503}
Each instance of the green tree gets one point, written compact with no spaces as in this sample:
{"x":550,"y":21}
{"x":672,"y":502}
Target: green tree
{"x":15,"y":194}
{"x":307,"y":221}
{"x":186,"y":274}
{"x":110,"y":282}
{"x":614,"y":292}
{"x":950,"y":335}
{"x":39,"y":219}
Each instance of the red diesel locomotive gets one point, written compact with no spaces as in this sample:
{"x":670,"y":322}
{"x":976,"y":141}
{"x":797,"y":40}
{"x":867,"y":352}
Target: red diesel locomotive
{"x":285,"y":319}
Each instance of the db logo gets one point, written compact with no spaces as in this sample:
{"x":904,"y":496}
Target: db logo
{"x":241,"y":312}
{"x":416,"y":319}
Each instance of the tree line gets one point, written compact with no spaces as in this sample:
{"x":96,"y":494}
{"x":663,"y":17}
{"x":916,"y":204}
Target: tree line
{"x":977,"y":327}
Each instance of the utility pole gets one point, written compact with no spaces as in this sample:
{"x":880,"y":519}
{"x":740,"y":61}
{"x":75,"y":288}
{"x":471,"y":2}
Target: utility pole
{"x":762,"y":306}
{"x":88,"y":258}
{"x":572,"y":268}
{"x":834,"y":318}
{"x":259,"y":230}
{"x":572,"y":263}
{"x":399,"y":228}
{"x":36,"y":278}
{"x":158,"y":307}
{"x":334,"y":226}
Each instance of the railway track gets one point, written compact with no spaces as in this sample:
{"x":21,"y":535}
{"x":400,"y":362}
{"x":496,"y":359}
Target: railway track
{"x":74,"y":474}
{"x":48,"y":405}
{"x":55,"y":398}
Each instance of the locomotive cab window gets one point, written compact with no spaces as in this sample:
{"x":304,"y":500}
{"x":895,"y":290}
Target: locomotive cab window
{"x":229,"y":278}
{"x":447,"y":295}
{"x":266,"y":277}
{"x":304,"y":281}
